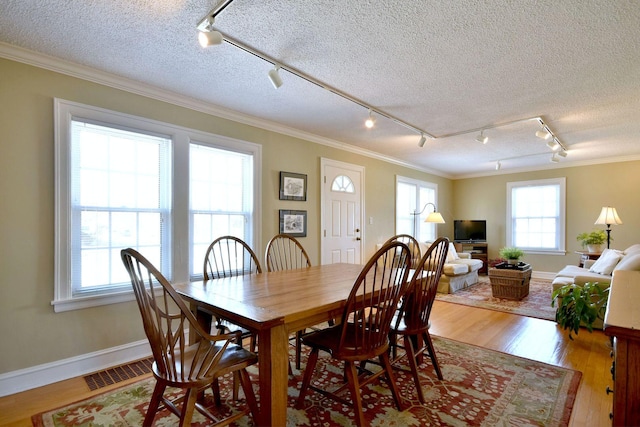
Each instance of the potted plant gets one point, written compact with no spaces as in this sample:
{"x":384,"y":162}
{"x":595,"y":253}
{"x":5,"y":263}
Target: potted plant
{"x":579,"y":305}
{"x":592,"y":240}
{"x":511,"y":254}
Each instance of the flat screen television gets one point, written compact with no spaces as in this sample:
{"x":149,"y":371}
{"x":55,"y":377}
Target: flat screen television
{"x":474,"y":230}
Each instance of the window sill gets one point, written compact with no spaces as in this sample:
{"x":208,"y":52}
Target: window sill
{"x":79,"y":303}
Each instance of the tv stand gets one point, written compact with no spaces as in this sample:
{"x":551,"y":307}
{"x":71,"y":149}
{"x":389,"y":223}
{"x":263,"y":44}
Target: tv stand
{"x":478,"y":250}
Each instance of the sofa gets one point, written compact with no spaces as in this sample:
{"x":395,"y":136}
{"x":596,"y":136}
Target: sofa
{"x":600,"y":270}
{"x":459,"y":271}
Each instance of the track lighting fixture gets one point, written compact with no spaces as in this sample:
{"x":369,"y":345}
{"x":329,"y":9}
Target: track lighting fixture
{"x":371,"y":121}
{"x":498,"y":165}
{"x":554,"y":158}
{"x":208,"y":36}
{"x":482,"y":138}
{"x":562,"y":153}
{"x":274,"y":76}
{"x":543,"y":134}
{"x":423,"y":139}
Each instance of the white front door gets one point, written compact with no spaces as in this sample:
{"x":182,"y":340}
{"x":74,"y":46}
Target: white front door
{"x":342,"y":216}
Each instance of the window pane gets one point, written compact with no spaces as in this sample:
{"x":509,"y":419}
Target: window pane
{"x":117,"y":200}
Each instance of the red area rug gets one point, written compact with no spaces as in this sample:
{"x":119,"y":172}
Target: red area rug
{"x":481,"y":388}
{"x":537,"y":304}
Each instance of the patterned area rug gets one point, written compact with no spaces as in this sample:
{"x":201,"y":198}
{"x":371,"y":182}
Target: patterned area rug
{"x":481,"y":388}
{"x":536,"y":304}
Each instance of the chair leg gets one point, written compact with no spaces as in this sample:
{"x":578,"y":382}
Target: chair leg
{"x":432,"y":354}
{"x":249,"y":394}
{"x":351,"y":372}
{"x":413,"y":364}
{"x":188,"y":406}
{"x":306,"y":380}
{"x":386,"y":363}
{"x":298,"y":348}
{"x":215,"y":388}
{"x":156,"y":397}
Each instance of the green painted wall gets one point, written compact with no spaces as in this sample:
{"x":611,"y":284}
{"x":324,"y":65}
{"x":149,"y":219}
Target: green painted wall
{"x":33,"y":334}
{"x":36,"y":334}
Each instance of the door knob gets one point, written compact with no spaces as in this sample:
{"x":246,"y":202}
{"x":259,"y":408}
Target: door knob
{"x":357,"y":238}
{"x":357,"y":230}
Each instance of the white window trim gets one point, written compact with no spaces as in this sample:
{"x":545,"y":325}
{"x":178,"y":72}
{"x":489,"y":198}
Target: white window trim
{"x":64,"y":111}
{"x":561,"y":182}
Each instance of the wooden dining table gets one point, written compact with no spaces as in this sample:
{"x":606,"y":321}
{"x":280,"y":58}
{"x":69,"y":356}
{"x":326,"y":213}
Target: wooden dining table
{"x":275,"y":305}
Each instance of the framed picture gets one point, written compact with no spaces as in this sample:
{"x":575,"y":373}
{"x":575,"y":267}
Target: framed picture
{"x":293,"y":223}
{"x":293,"y":186}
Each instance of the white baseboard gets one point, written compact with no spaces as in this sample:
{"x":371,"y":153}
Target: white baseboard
{"x":543,"y":275}
{"x":48,"y":373}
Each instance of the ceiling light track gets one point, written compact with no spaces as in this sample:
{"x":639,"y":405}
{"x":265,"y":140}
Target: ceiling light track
{"x":206,"y":25}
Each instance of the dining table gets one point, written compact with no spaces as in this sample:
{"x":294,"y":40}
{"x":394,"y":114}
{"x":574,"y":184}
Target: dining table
{"x":274,"y":305}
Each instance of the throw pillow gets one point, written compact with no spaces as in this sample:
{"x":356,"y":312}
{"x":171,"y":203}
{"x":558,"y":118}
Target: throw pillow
{"x":452,"y":255}
{"x":629,"y":262}
{"x":607,"y":262}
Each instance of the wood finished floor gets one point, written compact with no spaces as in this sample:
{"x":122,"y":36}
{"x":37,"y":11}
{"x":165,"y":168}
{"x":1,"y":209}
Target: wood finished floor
{"x":531,"y":338}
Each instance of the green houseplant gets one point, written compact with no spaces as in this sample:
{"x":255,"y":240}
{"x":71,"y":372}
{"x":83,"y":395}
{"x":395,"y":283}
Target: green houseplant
{"x":593,"y":238}
{"x":511,"y":254}
{"x":579,"y":305}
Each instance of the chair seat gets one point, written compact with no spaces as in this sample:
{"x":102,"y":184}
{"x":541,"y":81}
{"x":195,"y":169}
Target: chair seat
{"x":329,"y":339}
{"x":233,"y":358}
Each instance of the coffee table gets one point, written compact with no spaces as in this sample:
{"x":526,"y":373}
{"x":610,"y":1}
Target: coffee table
{"x":510,"y":283}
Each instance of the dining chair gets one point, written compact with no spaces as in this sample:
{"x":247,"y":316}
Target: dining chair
{"x":412,"y":322}
{"x":192,"y":367}
{"x":229,"y":256}
{"x":363,"y":332}
{"x":285,"y":252}
{"x":412,"y":243}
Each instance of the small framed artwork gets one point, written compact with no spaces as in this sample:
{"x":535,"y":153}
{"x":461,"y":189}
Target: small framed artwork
{"x":293,"y":186}
{"x":293,"y":223}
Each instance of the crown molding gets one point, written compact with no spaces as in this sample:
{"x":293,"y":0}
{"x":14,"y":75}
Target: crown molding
{"x":72,"y":69}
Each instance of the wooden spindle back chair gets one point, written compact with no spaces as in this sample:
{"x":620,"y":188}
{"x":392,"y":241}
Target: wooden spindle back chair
{"x":177,"y":363}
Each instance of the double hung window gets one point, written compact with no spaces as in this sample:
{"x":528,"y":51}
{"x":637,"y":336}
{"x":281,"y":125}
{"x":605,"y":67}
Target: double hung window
{"x":124,"y":181}
{"x":536,"y":215}
{"x":411,"y":197}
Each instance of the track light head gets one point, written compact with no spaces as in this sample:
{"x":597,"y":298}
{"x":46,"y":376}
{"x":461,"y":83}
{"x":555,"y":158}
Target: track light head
{"x":275,"y":78}
{"x":543,"y":134}
{"x":554,"y":158}
{"x":371,"y":121}
{"x":423,"y":139}
{"x":482,"y":138}
{"x":553,"y":144}
{"x":498,"y":165}
{"x":208,"y":36}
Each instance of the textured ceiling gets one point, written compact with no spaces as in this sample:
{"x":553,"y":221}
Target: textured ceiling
{"x":444,"y":67}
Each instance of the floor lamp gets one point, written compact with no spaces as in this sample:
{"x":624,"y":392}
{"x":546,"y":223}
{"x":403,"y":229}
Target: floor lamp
{"x":433,"y":217}
{"x":608,"y":216}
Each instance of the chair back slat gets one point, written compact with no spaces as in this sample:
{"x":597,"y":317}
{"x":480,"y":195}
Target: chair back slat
{"x":412,"y":243}
{"x":285,"y":252}
{"x":373,"y":300}
{"x":165,"y":318}
{"x":229,"y":256}
{"x":418,"y":301}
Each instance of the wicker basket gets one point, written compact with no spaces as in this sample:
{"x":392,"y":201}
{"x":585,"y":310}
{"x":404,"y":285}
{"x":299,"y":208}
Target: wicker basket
{"x":509,"y":284}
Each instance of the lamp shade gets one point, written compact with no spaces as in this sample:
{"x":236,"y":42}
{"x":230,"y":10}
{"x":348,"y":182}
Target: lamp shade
{"x":608,"y":216}
{"x":435,"y":217}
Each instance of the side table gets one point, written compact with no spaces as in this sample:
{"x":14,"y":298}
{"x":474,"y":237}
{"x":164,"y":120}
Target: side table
{"x":584,"y":256}
{"x":510,"y":283}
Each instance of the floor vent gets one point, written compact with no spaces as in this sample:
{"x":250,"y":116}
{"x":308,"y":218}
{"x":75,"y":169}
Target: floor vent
{"x":119,"y":373}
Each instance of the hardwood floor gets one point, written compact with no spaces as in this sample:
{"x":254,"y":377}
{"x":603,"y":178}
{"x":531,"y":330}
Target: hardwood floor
{"x":518,"y":335}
